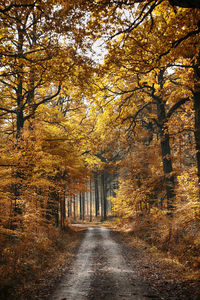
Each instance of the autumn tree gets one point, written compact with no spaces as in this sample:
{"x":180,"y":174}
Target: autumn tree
{"x":145,"y":37}
{"x":33,"y":57}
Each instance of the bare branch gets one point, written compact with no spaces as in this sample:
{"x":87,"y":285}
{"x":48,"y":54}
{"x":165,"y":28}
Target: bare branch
{"x":142,"y":16}
{"x":9,"y":111}
{"x":35,"y":106}
{"x":176,"y":106}
{"x":134,"y":117}
{"x":179,"y":41}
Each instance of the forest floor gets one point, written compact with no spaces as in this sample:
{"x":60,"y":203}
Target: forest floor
{"x":167,"y":277}
{"x":110,"y":264}
{"x":56,"y":265}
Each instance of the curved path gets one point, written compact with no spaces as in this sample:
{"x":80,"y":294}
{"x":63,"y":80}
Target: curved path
{"x":100,"y":272}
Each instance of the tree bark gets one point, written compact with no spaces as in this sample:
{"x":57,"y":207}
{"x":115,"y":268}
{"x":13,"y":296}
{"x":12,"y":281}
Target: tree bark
{"x":166,"y":154}
{"x":83,"y":206}
{"x":196,"y":104}
{"x":185,"y":3}
{"x":103,"y":199}
{"x":80,"y":206}
{"x":74,"y":207}
{"x":19,"y":90}
{"x":53,"y":206}
{"x":62,"y":210}
{"x":105,"y":194}
{"x":90,"y":200}
{"x":96,"y":187}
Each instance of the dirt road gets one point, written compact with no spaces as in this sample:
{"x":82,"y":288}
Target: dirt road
{"x":101,"y":271}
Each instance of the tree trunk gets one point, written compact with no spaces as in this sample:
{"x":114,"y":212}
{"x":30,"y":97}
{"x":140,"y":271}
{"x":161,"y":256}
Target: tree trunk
{"x":87,"y":203}
{"x":96,"y":190}
{"x":83,"y":206}
{"x":74,"y":207}
{"x":103,"y":199}
{"x":105,"y":194}
{"x":31,"y":92}
{"x":90,"y":200}
{"x":80,"y":206}
{"x":62,"y":210}
{"x":53,"y":206}
{"x":102,"y":196}
{"x":19,"y":90}
{"x":166,"y":154}
{"x":69,"y":202}
{"x":196,"y":103}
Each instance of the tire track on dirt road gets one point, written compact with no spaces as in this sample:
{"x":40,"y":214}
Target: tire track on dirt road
{"x":100,"y":272}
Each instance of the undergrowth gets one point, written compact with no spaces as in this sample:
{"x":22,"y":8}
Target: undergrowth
{"x":27,"y":256}
{"x":178,"y":238}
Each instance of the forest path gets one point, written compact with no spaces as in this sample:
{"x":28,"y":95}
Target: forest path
{"x":100,"y":271}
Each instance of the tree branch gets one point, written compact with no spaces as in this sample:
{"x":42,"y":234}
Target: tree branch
{"x":35,"y":106}
{"x":9,"y":7}
{"x":9,"y":111}
{"x":185,"y":3}
{"x":135,"y":116}
{"x":179,"y":41}
{"x":140,"y":18}
{"x":176,"y":106}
